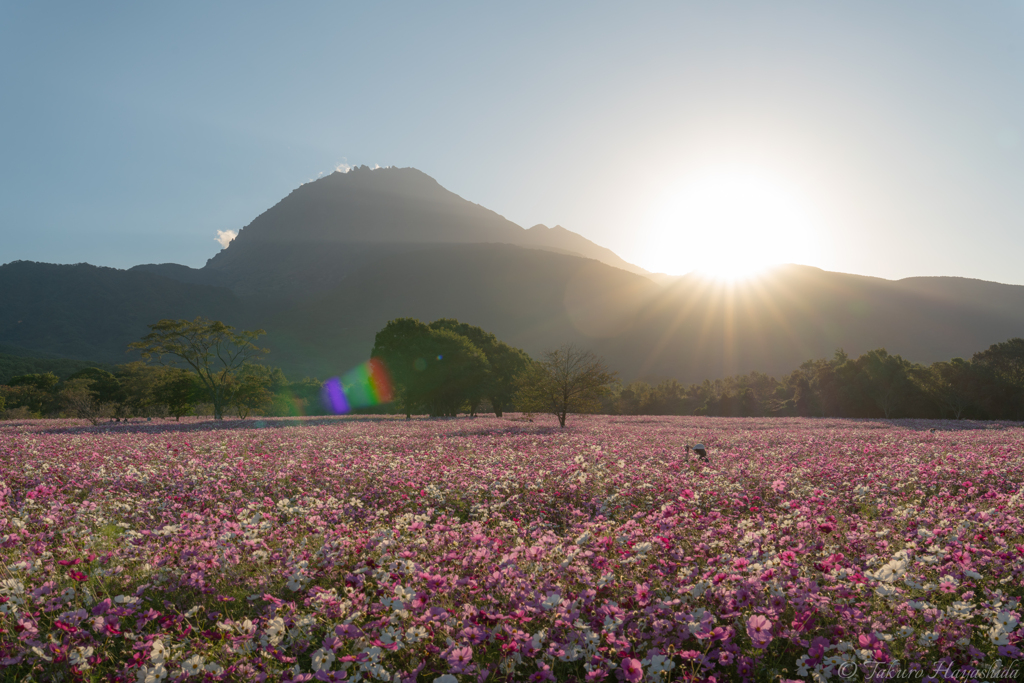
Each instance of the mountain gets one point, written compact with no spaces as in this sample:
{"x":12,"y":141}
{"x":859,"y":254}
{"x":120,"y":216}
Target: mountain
{"x":565,"y":241}
{"x":695,"y":329}
{"x":325,"y":230}
{"x":92,"y":313}
{"x":324,"y":269}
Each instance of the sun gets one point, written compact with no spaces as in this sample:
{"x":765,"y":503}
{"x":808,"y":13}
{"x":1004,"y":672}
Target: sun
{"x":730,"y":224}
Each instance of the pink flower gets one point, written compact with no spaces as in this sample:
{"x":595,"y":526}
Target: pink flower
{"x":460,"y":658}
{"x":632,"y":670}
{"x":759,"y":630}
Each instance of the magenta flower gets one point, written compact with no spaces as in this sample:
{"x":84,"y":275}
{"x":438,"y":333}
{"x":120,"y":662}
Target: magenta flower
{"x":631,"y":670}
{"x":759,"y":630}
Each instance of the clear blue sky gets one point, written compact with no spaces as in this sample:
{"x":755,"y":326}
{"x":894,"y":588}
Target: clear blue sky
{"x":892,"y":133}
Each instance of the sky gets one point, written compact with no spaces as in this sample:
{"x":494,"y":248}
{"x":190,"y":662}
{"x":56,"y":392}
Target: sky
{"x":877,"y":138}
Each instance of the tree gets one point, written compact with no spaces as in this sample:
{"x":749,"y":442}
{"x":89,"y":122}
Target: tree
{"x":402,"y":346}
{"x":80,"y":397}
{"x":953,"y":386}
{"x":139,"y":385}
{"x":179,"y":390}
{"x":886,"y":380}
{"x":505,"y":363}
{"x":214,"y":351}
{"x":36,"y":393}
{"x":567,"y":380}
{"x":105,"y":386}
{"x":455,"y":374}
{"x":433,"y":368}
{"x":1006,"y":361}
{"x":254,"y":388}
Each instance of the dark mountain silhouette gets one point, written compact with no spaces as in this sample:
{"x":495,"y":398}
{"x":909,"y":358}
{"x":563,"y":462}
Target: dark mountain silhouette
{"x":324,"y":230}
{"x":328,"y":266}
{"x":693,"y":330}
{"x":92,"y":313}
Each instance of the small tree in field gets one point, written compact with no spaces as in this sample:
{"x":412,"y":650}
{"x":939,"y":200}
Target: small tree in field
{"x":567,"y":380}
{"x":214,"y":351}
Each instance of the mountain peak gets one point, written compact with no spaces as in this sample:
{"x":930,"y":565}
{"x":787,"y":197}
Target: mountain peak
{"x":332,"y":225}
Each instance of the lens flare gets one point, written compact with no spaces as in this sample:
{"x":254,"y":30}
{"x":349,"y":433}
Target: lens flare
{"x":367,"y":385}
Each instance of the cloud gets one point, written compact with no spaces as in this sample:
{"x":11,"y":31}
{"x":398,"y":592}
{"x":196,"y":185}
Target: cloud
{"x":343,"y":168}
{"x":224,"y":237}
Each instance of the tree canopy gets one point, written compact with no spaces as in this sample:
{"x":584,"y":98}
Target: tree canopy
{"x":446,"y":366}
{"x":213,"y":350}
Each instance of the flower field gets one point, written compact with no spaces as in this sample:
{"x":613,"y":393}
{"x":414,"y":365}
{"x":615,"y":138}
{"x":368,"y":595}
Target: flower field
{"x":500,"y":550}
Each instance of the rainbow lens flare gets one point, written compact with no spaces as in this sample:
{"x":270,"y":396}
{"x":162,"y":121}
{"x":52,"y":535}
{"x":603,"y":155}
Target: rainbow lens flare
{"x":366,"y":385}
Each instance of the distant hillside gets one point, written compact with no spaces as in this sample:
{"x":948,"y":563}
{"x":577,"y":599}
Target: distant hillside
{"x":15,"y":362}
{"x":324,"y":269}
{"x":694,"y":330}
{"x":329,"y":228}
{"x":91,"y":313}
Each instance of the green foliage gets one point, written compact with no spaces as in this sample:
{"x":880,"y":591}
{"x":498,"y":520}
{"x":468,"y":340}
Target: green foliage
{"x":1006,"y":362}
{"x":505,"y":364}
{"x":178,"y":390}
{"x":14,"y":364}
{"x":80,"y":398}
{"x":433,"y":369}
{"x":43,"y":382}
{"x":213,"y":350}
{"x":105,"y":387}
{"x":446,"y":366}
{"x":253,"y":388}
{"x":139,"y":383}
{"x":35,"y":393}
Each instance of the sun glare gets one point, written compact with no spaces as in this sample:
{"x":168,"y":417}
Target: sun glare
{"x":729,"y":224}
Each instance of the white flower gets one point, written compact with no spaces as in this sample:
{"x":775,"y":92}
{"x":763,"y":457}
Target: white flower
{"x":153,"y":674}
{"x":998,"y":636}
{"x":1006,"y":621}
{"x":660,"y":664}
{"x":885,"y":590}
{"x":552,"y":600}
{"x":446,"y":678}
{"x":322,"y":659}
{"x":274,"y":632}
{"x":158,"y":655}
{"x":79,"y":655}
{"x":214,"y":668}
{"x":192,"y":665}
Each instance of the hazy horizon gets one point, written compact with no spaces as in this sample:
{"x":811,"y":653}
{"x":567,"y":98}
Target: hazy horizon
{"x":871,"y":139}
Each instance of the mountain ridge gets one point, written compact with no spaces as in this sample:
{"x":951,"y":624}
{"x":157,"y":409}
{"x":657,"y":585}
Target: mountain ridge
{"x":327,"y":266}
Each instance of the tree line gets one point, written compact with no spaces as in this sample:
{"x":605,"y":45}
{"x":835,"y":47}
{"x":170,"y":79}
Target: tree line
{"x":448,"y":367}
{"x":877,"y":384}
{"x":187,"y":366}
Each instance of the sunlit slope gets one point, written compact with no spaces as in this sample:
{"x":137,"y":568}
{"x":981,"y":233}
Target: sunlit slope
{"x":696,"y":329}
